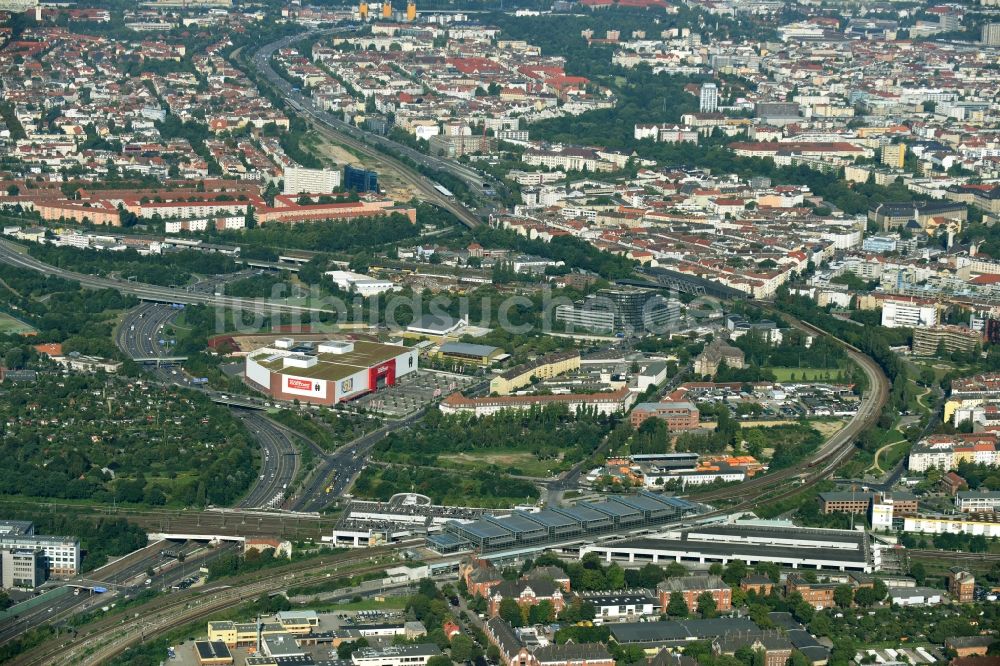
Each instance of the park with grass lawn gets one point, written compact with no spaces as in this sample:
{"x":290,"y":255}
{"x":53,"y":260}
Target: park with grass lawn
{"x":536,"y":442}
{"x":11,"y":326}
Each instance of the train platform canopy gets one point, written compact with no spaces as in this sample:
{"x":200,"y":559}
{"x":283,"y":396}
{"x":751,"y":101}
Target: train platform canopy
{"x":550,"y":526}
{"x":790,"y":546}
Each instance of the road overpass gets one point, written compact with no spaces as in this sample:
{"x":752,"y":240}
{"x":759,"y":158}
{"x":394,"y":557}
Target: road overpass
{"x":13,"y":255}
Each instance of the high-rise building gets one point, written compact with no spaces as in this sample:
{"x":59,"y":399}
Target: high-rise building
{"x":709,"y":100}
{"x":411,"y":11}
{"x":360,"y":180}
{"x":387,"y":10}
{"x":893,"y":155}
{"x":991,"y":34}
{"x":299,"y":180}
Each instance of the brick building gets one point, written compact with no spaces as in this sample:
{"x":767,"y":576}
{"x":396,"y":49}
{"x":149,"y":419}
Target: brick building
{"x":679,"y":416}
{"x":818,"y":595}
{"x":961,"y":585}
{"x":775,"y":646}
{"x":527,"y":592}
{"x":691,"y":587}
{"x":757,"y":583}
{"x":479,"y":575}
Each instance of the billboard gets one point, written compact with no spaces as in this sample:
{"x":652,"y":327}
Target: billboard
{"x":383,"y":374}
{"x":309,"y":388}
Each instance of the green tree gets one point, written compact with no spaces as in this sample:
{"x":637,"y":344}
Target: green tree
{"x":843,"y":595}
{"x":511,"y":612}
{"x":542,"y":613}
{"x":439,"y":660}
{"x":677,"y":606}
{"x":706,"y":605}
{"x":919,"y":572}
{"x":461,"y":648}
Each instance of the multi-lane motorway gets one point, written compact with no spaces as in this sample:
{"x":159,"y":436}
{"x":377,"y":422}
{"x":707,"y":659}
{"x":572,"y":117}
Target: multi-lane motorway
{"x":139,"y":336}
{"x":9,"y":254}
{"x":169,"y":561}
{"x":278,"y":465}
{"x":363,"y":142}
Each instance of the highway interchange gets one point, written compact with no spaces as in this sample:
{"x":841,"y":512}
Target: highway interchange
{"x":142,"y":329}
{"x":142,"y":335}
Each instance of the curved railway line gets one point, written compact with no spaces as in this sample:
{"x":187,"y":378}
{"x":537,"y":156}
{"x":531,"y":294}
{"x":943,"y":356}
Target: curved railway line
{"x":829,"y":457}
{"x":348,"y":135}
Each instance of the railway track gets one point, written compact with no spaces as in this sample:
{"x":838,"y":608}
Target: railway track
{"x":348,"y":136}
{"x":827,"y":459}
{"x":951,"y":556}
{"x":111,"y":636}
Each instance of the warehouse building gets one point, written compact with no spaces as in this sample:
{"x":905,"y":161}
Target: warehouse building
{"x":523,"y":530}
{"x":985,"y":523}
{"x":468,"y":352}
{"x":329,"y":372}
{"x":794,"y":547}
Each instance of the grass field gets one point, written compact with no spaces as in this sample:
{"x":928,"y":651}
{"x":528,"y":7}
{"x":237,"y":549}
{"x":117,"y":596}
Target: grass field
{"x":782,"y":374}
{"x":516,"y":462}
{"x":9,"y":325}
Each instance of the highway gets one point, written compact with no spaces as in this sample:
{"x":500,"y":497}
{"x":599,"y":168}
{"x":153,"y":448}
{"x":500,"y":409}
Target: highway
{"x":141,"y":331}
{"x":148,"y":292}
{"x":139,"y":335}
{"x":279,"y":461}
{"x":361,"y":141}
{"x":124,"y":578}
{"x":338,"y":471}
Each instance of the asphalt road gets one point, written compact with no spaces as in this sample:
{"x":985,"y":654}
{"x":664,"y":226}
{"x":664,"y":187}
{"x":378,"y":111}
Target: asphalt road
{"x":139,"y":336}
{"x":9,"y":255}
{"x":338,"y":471}
{"x":124,"y":578}
{"x":141,"y":330}
{"x":279,"y":462}
{"x":362,"y":141}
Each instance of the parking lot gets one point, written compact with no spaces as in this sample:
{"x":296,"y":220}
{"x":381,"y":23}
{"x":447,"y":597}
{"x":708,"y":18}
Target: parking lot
{"x":413,"y":392}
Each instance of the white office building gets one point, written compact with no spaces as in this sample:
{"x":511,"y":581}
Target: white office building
{"x":356,"y":283}
{"x":299,"y":180}
{"x":900,"y":314}
{"x":22,"y":568}
{"x":974,"y":501}
{"x":709,"y":99}
{"x":396,"y":655}
{"x":62,"y":554}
